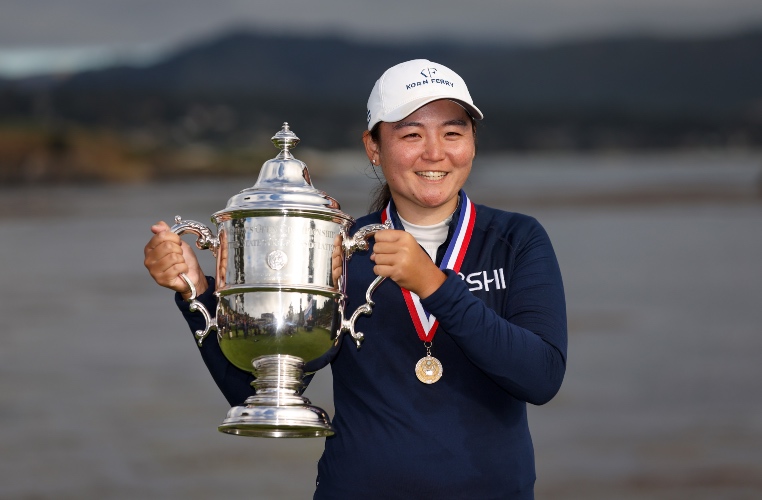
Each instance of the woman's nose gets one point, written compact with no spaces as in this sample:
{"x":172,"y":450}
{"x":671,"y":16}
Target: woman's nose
{"x":433,"y":151}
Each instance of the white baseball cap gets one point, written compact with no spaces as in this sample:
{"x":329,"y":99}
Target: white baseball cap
{"x":404,"y":88}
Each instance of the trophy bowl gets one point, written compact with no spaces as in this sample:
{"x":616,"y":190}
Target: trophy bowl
{"x":280,"y":312}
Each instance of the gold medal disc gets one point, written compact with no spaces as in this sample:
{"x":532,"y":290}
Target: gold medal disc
{"x":428,"y":370}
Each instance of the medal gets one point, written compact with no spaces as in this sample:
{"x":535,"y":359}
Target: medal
{"x":429,"y":369}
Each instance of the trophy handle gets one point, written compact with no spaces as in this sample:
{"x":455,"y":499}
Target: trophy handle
{"x":360,"y":242}
{"x":205,"y":241}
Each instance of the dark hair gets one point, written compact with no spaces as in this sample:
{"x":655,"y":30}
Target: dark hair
{"x":382,"y":194}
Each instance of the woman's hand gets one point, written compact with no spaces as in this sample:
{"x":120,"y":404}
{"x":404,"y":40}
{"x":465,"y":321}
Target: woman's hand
{"x":398,"y":256}
{"x":166,"y":256}
{"x":337,"y":261}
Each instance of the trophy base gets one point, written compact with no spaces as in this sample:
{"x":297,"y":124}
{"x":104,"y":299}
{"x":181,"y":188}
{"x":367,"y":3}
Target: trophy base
{"x":277,"y":410}
{"x":277,"y":422}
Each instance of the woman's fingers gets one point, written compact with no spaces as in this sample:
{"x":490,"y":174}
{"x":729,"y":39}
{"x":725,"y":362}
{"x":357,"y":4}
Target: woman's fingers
{"x":398,"y":256}
{"x":167,"y":256}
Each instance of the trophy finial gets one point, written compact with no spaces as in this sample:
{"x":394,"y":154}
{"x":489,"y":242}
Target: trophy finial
{"x":284,"y":140}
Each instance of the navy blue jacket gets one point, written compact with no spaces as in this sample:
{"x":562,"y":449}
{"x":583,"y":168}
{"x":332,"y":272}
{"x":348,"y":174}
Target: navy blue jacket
{"x":502,"y":343}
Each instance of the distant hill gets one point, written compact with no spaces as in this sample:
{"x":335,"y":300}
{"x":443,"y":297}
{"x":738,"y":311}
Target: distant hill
{"x":616,"y":92}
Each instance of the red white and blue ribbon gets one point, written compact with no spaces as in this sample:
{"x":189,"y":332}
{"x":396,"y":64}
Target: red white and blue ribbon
{"x":426,"y":323}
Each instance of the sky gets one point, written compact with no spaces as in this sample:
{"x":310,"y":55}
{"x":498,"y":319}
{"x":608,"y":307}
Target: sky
{"x":66,"y":35}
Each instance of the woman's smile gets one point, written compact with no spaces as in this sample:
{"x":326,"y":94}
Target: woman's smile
{"x":432,"y":176}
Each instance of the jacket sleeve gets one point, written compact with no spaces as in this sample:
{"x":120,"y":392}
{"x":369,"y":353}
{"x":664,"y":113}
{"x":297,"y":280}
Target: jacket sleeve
{"x":234,"y":383}
{"x":522,"y":347}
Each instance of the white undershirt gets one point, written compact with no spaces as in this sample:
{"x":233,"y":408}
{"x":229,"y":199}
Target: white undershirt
{"x":429,"y":237}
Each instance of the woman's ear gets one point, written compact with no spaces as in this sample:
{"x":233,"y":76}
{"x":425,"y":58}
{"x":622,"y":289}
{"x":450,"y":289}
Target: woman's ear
{"x":371,"y":147}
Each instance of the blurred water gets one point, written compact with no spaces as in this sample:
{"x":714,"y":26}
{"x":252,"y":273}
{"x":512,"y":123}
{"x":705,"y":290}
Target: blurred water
{"x":103,"y":395}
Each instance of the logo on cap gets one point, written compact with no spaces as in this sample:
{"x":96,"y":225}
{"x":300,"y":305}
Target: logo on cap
{"x":428,"y":78}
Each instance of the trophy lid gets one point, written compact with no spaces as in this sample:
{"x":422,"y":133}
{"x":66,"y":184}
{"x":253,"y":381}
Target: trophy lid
{"x":283,"y":185}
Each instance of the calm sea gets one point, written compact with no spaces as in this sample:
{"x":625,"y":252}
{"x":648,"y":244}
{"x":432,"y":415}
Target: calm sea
{"x":103,"y":393}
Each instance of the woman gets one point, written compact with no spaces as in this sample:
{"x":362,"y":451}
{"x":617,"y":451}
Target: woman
{"x":469,"y":328}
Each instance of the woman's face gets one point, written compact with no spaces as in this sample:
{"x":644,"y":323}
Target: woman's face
{"x":426,"y":158}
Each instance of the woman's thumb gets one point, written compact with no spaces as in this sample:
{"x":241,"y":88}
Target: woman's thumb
{"x":159,"y":227}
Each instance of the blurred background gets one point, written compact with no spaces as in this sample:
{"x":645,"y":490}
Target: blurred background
{"x":631,"y":129}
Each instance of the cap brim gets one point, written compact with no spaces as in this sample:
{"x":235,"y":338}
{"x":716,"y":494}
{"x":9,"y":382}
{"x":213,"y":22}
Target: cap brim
{"x":409,"y":108}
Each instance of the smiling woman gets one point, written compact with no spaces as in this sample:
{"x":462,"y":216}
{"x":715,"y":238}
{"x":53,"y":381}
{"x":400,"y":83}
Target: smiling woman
{"x":425,"y":158}
{"x":483,"y":283}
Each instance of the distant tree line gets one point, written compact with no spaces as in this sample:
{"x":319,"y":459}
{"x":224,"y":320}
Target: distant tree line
{"x":229,"y":94}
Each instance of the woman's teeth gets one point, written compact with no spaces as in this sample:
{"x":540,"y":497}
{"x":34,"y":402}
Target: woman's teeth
{"x":432,"y":175}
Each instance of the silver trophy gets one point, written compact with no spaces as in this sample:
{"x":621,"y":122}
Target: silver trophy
{"x":280,"y":313}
